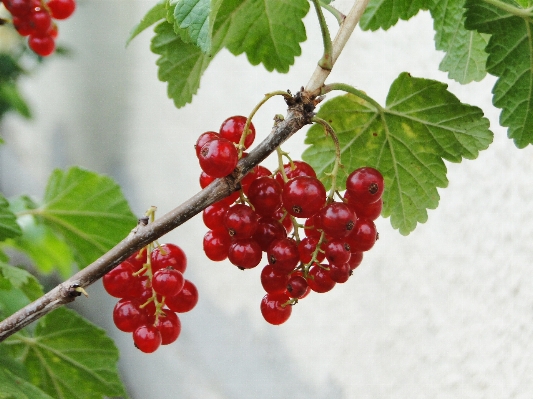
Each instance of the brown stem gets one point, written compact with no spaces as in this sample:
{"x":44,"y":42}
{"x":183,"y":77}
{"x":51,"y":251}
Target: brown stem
{"x":299,"y":114}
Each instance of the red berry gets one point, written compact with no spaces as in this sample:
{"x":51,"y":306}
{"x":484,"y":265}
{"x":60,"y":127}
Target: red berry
{"x":337,"y":251}
{"x":365,"y":185}
{"x":319,"y":279}
{"x":283,"y":255}
{"x":307,"y":247}
{"x":121,"y":283}
{"x":340,"y":273}
{"x":275,"y":309}
{"x":18,"y":8}
{"x":147,"y":338}
{"x":297,"y":168}
{"x":240,"y":221}
{"x":284,"y":218}
{"x":273,"y":280}
{"x":310,"y":229}
{"x":216,"y":244}
{"x":218,"y":157}
{"x":169,"y":326}
{"x":337,"y":219}
{"x":138,"y":259}
{"x":363,"y":236}
{"x":127,"y":315}
{"x":232,"y":130}
{"x":61,"y":9}
{"x":355,"y":260}
{"x":204,"y":139}
{"x":264,"y":194}
{"x":214,"y":215}
{"x":40,"y":21}
{"x":42,"y":45}
{"x":185,"y":300}
{"x":167,"y":282}
{"x":255,"y":173}
{"x":245,"y":253}
{"x":268,"y":230}
{"x":303,"y":196}
{"x":297,"y":286}
{"x":169,"y":255}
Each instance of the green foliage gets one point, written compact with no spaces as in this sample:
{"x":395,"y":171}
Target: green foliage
{"x":407,"y":141}
{"x":511,"y":59}
{"x":68,"y":357}
{"x":15,"y":387}
{"x":15,"y":278}
{"x":8,"y":221}
{"x":386,"y":13}
{"x":191,"y":21}
{"x":156,"y":13}
{"x":10,"y":97}
{"x":465,"y":58}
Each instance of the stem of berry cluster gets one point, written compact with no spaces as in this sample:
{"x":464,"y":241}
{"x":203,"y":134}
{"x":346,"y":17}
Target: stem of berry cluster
{"x":299,"y":114}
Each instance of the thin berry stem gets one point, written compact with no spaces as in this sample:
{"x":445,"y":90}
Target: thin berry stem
{"x":339,"y":16}
{"x":325,"y":62}
{"x":352,"y":90}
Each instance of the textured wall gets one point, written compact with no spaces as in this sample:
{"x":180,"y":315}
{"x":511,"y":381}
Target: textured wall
{"x":443,"y":313}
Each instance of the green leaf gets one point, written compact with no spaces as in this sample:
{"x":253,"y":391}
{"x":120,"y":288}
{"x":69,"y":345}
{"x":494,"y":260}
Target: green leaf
{"x":9,"y":227}
{"x":511,"y":59}
{"x":386,"y":13}
{"x":268,"y":31}
{"x":407,"y":142}
{"x":10,"y":98}
{"x":14,"y":387}
{"x":88,"y":210}
{"x":20,"y":279}
{"x":465,"y":57}
{"x":191,"y":21}
{"x":156,"y":13}
{"x":68,"y":357}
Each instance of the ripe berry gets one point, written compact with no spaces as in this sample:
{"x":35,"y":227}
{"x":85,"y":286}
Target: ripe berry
{"x":216,"y":244}
{"x":337,"y":219}
{"x":167,"y":281}
{"x":232,"y":130}
{"x":61,"y":9}
{"x":303,"y":196}
{"x":273,"y":280}
{"x":169,"y":326}
{"x":147,"y":338}
{"x":297,"y":286}
{"x":245,"y":253}
{"x":121,"y":283}
{"x":339,"y":273}
{"x":284,"y":218}
{"x":185,"y":300}
{"x":255,"y":173}
{"x":307,"y":247}
{"x":283,"y":255}
{"x":275,"y":309}
{"x":365,"y":185}
{"x":204,"y":139}
{"x":127,"y":315}
{"x":363,"y":236}
{"x":268,"y":230}
{"x":169,"y":255}
{"x":319,"y":279}
{"x":214,"y":215}
{"x":264,"y":194}
{"x":337,"y":251}
{"x":297,"y":168}
{"x":365,"y":211}
{"x":42,"y":45}
{"x":240,"y":221}
{"x":218,"y":157}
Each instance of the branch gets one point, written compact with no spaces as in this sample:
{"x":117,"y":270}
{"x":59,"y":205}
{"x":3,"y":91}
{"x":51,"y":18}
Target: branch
{"x":299,"y":114}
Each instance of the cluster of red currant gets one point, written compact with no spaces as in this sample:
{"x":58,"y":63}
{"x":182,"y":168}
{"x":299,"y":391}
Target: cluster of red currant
{"x":259,"y":218}
{"x":34,"y":18}
{"x":152,"y":289}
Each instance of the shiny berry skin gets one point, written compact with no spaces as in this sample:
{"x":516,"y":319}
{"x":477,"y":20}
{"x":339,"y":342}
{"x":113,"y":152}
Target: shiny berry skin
{"x":273,"y":280}
{"x":363,"y":236}
{"x":303,"y":196}
{"x":185,"y":301}
{"x":61,"y":9}
{"x":169,"y":255}
{"x":264,"y":194}
{"x":138,"y":259}
{"x":245,"y":253}
{"x":40,"y":21}
{"x":297,"y":286}
{"x":147,"y":338}
{"x":214,"y":215}
{"x":232,"y":129}
{"x":307,"y":247}
{"x":284,"y":219}
{"x":339,"y":273}
{"x":337,"y":251}
{"x":240,"y":221}
{"x":365,"y":211}
{"x":283,"y":255}
{"x":298,"y":168}
{"x":274,"y":308}
{"x":167,"y":281}
{"x":169,"y":326}
{"x":268,"y":230}
{"x":218,"y":157}
{"x":42,"y":45}
{"x":121,"y":283}
{"x":337,"y":219}
{"x":216,"y":244}
{"x":365,"y":185}
{"x":255,"y":173}
{"x":127,"y":315}
{"x":204,"y":139}
{"x":310,"y":229}
{"x":319,"y":279}
{"x":355,"y":260}
{"x":18,"y":8}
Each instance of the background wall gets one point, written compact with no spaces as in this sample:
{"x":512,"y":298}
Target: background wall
{"x":446,"y":312}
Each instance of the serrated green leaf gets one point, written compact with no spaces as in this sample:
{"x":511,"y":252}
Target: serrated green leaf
{"x":268,"y":31}
{"x":465,"y":57}
{"x":156,"y":13}
{"x":88,"y":210}
{"x":422,"y":124}
{"x":511,"y":59}
{"x":22,"y":280}
{"x":191,"y":20}
{"x":14,"y":387}
{"x":68,"y":357}
{"x":386,"y":13}
{"x":9,"y":227}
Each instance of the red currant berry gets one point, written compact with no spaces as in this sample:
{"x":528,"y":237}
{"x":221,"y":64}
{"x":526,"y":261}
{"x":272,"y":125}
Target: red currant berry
{"x":337,"y":219}
{"x":268,"y":230}
{"x":309,"y":227}
{"x":365,"y":211}
{"x":365,"y":185}
{"x":273,"y":280}
{"x":147,"y":338}
{"x":169,"y":255}
{"x":61,"y":9}
{"x":127,"y":315}
{"x":216,"y":244}
{"x":18,"y":8}
{"x":218,"y":157}
{"x":264,"y":194}
{"x":42,"y":45}
{"x":297,"y":168}
{"x":284,"y":218}
{"x":303,"y":196}
{"x":240,"y":221}
{"x":204,"y":139}
{"x":167,"y":282}
{"x":307,"y":248}
{"x":121,"y":283}
{"x":245,"y":253}
{"x":337,"y":251}
{"x":340,"y":273}
{"x":355,"y":260}
{"x":255,"y":173}
{"x":41,"y":22}
{"x":363,"y":236}
{"x":214,"y":215}
{"x":169,"y":326}
{"x":232,"y":130}
{"x":297,"y":286}
{"x":319,"y":279}
{"x":185,"y":301}
{"x":275,"y":309}
{"x":138,"y":259}
{"x":283,"y":255}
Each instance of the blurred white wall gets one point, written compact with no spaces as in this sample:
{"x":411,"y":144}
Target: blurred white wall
{"x":446,"y":312}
